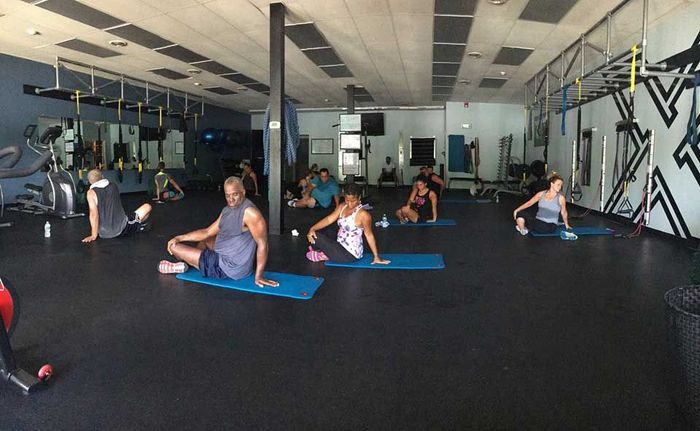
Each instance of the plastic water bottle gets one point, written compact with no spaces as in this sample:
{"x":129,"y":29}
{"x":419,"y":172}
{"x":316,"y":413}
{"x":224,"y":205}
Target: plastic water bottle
{"x":47,"y":230}
{"x":384,"y":219}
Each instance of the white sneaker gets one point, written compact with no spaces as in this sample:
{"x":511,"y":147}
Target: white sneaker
{"x":291,"y":203}
{"x":522,"y":231}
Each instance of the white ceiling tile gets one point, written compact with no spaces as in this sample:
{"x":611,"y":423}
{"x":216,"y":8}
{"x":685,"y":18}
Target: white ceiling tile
{"x":490,"y":30}
{"x":363,"y":8}
{"x":326,"y":9}
{"x":529,"y":34}
{"x":136,"y":10}
{"x":172,"y":5}
{"x":244,"y":16}
{"x":413,"y":7}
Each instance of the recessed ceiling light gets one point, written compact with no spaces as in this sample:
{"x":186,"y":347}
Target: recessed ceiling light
{"x":118,"y":43}
{"x":498,"y":2}
{"x":194,"y":71}
{"x":197,"y":84}
{"x":465,"y":81}
{"x":475,"y":54}
{"x":326,"y":100}
{"x":242,"y":88}
{"x":503,"y":73}
{"x":32,"y":32}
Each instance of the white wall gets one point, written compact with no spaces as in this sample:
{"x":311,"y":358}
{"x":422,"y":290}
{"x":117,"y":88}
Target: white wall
{"x":672,"y":33}
{"x":489,"y":121}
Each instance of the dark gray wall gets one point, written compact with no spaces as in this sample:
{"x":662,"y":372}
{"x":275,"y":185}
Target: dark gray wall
{"x":19,"y":110}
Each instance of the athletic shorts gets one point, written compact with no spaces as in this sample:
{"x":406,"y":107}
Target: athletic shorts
{"x":209,"y":265}
{"x":133,"y":225}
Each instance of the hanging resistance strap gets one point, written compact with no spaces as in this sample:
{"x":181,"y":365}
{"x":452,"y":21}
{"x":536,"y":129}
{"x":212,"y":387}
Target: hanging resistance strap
{"x":140,"y":154}
{"x":160,"y":133}
{"x":628,"y":176}
{"x":692,"y":121}
{"x":195,"y":170}
{"x":564,"y":96}
{"x":120,"y":161}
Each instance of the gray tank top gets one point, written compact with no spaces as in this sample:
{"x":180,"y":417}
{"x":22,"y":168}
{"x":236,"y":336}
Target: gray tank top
{"x":235,"y":246}
{"x":162,"y":180}
{"x":549,"y":210}
{"x":109,"y":206}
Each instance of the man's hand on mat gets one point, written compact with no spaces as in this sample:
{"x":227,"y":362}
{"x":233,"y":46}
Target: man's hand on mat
{"x":262,"y":282}
{"x":90,"y":238}
{"x":431,"y":220}
{"x":379,"y":261}
{"x":311,"y":236}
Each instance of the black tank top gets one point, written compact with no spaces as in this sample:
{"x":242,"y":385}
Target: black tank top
{"x":248,"y":184}
{"x":423,"y":206}
{"x":109,"y":206}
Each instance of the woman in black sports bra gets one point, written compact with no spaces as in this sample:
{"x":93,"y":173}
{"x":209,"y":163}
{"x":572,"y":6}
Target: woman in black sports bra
{"x":421,"y":206}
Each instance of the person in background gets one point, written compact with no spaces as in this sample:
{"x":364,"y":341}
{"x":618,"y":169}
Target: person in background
{"x":388,"y":172}
{"x":550,"y":204}
{"x":323,"y":192}
{"x":421,"y":206}
{"x":166,"y":186}
{"x":250,"y":180}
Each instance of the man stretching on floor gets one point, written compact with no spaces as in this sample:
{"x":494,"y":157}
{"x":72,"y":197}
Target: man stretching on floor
{"x":229,"y":247}
{"x":324,"y":192}
{"x":107,"y":216}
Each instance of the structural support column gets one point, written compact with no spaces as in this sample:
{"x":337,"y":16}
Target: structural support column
{"x":277,"y":13}
{"x":350,"y":89}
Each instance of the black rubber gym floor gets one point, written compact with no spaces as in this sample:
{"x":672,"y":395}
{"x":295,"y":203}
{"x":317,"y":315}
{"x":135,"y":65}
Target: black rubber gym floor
{"x":516,"y":333}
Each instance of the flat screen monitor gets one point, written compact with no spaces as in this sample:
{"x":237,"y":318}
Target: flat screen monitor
{"x":373,"y":123}
{"x":350,"y":142}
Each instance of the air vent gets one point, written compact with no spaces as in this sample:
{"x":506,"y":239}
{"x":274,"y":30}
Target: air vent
{"x":323,"y":56}
{"x":180,"y":53}
{"x":140,"y":36}
{"x":448,"y":53}
{"x":512,"y":55}
{"x":492,"y":82}
{"x":339,"y":71}
{"x":549,"y":11}
{"x":240,"y":78}
{"x":260,"y":88}
{"x":455,"y":7}
{"x":88,"y":48}
{"x":446,"y":69}
{"x":81,"y":13}
{"x":305,"y":35}
{"x":167,"y":73}
{"x":214,"y":67}
{"x":451,"y":29}
{"x":220,"y":90}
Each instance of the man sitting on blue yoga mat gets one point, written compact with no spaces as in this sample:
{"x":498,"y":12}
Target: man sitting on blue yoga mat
{"x":229,"y":247}
{"x":551,"y":203}
{"x":353,"y":222}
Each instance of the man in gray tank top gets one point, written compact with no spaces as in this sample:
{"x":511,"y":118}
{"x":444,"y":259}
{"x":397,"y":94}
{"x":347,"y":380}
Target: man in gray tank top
{"x":234,"y":246}
{"x":107,"y":216}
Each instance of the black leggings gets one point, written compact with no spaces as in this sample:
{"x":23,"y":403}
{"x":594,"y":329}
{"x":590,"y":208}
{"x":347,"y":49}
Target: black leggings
{"x":537,"y":225}
{"x":330,"y":246}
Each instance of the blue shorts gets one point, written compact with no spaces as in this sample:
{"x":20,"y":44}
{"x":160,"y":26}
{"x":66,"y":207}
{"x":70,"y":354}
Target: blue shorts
{"x":209,"y":265}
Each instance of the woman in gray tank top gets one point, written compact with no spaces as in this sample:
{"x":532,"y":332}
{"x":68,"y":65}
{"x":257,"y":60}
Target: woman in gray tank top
{"x":550,"y":203}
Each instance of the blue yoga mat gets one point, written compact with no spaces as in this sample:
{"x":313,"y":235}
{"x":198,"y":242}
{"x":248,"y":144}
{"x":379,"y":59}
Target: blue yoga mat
{"x":291,"y":286}
{"x":465,"y":201}
{"x":581,"y":230}
{"x":438,"y":222}
{"x":398,"y":261}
